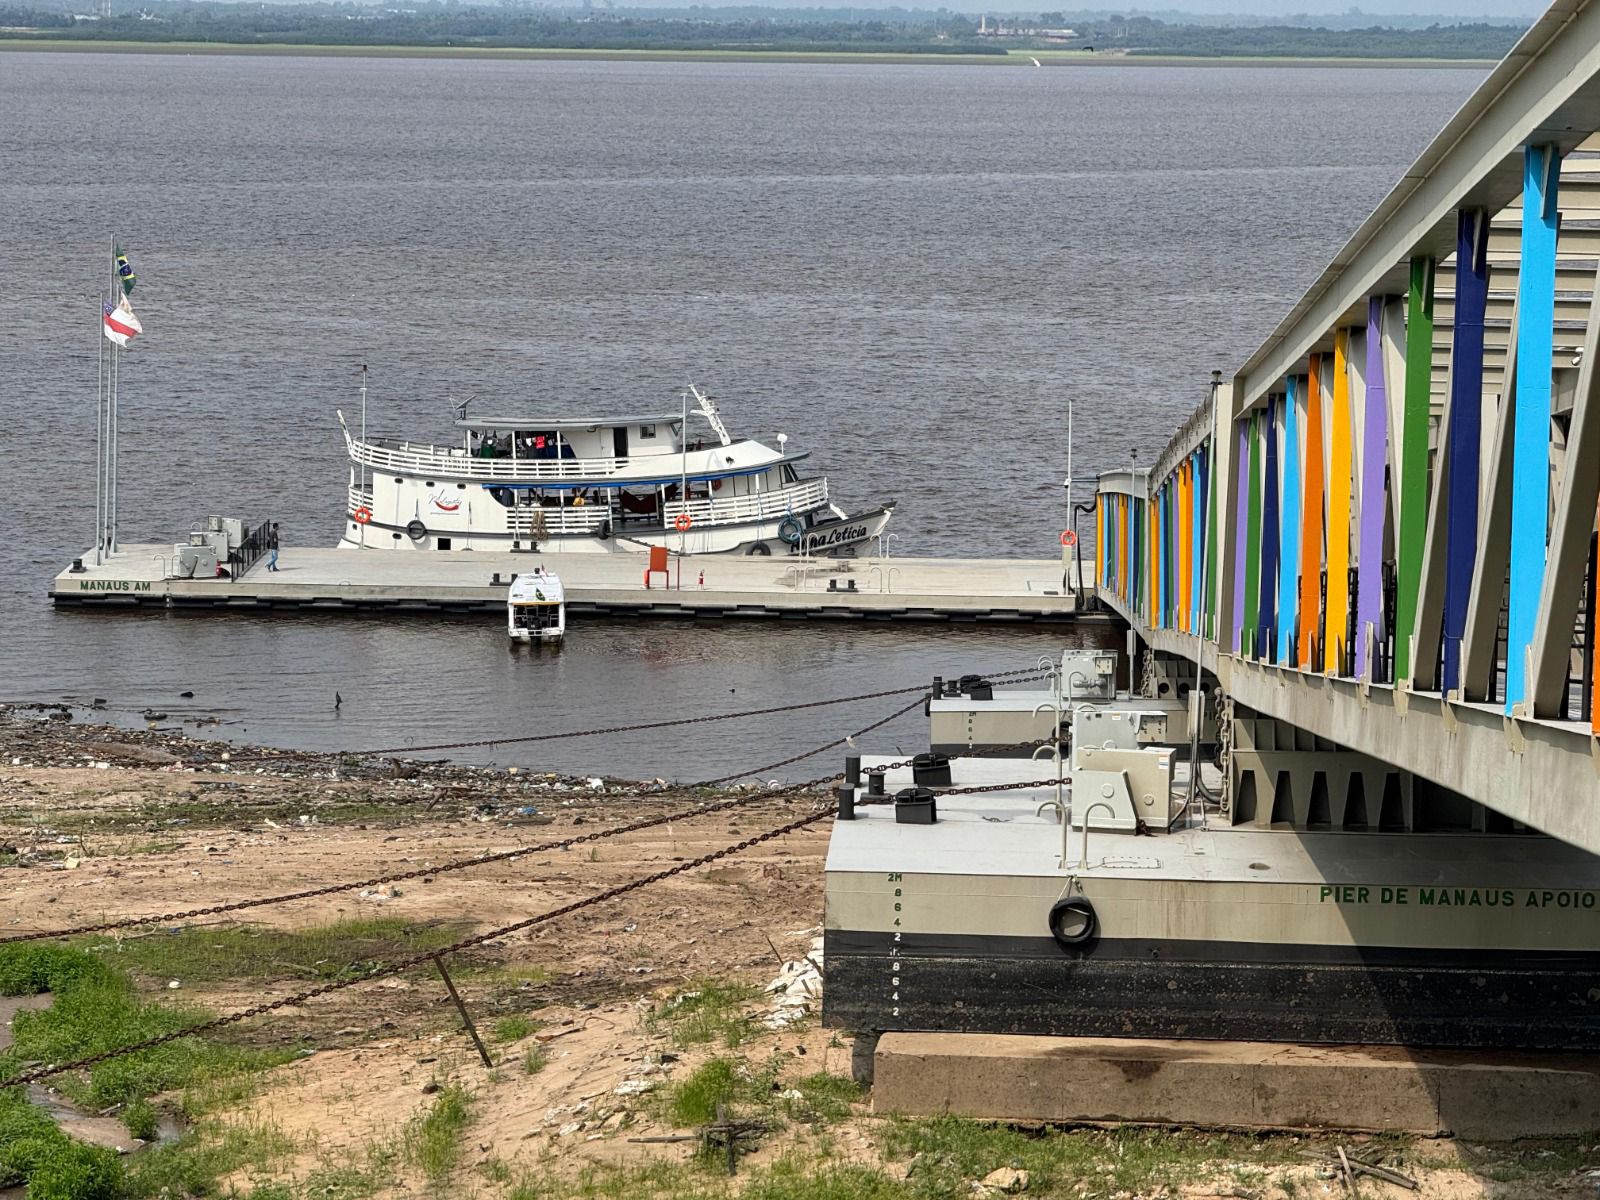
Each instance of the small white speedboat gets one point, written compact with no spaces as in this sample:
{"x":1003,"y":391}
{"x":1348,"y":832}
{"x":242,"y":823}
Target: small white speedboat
{"x":536,"y":607}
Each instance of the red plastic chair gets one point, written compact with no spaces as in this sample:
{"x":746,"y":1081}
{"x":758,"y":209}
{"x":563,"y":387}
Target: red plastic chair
{"x":658,"y":562}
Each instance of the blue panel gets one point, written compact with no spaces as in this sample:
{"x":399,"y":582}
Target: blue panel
{"x":1530,"y":453}
{"x":1265,"y":623}
{"x":1289,"y":548}
{"x":1466,"y":420}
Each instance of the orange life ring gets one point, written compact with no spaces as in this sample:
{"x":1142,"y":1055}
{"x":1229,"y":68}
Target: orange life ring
{"x":1068,"y":538}
{"x":361,"y":515}
{"x":682,"y":522}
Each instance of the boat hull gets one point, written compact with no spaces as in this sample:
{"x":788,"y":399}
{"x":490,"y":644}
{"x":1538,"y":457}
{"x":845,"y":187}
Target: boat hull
{"x":827,"y":534}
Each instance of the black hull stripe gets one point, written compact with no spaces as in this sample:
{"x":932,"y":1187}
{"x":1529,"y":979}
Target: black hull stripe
{"x":972,"y":946}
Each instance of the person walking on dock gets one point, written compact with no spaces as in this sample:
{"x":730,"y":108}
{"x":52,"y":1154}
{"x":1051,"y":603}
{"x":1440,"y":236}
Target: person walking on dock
{"x":272,"y":546}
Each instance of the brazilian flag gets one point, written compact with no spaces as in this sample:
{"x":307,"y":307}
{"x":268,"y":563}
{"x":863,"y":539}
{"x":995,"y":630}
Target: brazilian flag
{"x":125,"y":272}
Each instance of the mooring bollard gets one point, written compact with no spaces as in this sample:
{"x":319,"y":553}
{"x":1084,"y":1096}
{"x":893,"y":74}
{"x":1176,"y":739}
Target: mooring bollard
{"x":846,"y":796}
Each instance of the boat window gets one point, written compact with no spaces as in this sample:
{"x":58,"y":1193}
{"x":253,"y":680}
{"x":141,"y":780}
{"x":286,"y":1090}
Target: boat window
{"x":505,"y":496}
{"x":443,"y":543}
{"x":647,"y":431}
{"x":789,"y":474}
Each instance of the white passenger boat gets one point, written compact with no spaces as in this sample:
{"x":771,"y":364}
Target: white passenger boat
{"x":596,"y":484}
{"x":536,"y":607}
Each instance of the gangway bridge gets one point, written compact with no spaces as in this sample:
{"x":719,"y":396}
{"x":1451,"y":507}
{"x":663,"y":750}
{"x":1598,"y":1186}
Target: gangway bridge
{"x":1375,"y":541}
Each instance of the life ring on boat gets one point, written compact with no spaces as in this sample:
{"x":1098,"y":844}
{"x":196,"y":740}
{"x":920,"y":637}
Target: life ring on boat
{"x":1069,"y":538}
{"x":682,"y":522}
{"x":1073,"y":922}
{"x":416,"y":530}
{"x":759,"y":550}
{"x":790,"y":529}
{"x":361,"y":515}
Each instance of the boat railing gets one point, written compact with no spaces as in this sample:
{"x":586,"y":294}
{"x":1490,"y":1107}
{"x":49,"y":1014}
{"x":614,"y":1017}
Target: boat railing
{"x":359,"y":498}
{"x":413,"y":459}
{"x":410,"y":458}
{"x":795,"y":498}
{"x":534,"y":523}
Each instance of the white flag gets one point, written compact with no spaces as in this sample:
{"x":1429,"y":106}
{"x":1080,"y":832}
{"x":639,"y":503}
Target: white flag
{"x":121,"y":325}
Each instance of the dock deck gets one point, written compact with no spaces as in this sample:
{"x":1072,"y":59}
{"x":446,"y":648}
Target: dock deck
{"x":915,"y":589}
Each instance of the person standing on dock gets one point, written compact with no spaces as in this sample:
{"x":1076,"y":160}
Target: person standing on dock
{"x":272,"y":546}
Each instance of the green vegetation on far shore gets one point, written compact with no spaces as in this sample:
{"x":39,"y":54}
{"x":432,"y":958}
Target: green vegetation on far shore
{"x":448,"y":27}
{"x":1053,"y":58}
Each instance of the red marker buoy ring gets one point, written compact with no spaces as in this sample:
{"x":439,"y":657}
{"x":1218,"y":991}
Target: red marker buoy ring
{"x":1068,"y":538}
{"x":682,"y":522}
{"x":361,"y":515}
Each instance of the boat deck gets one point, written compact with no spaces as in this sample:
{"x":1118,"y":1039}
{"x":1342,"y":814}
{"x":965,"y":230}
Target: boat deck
{"x":916,"y":589}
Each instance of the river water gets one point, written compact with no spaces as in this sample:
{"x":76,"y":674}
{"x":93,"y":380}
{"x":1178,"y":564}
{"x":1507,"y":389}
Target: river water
{"x":908,"y":269}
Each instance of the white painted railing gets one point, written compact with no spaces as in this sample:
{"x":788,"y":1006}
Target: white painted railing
{"x":797,"y":498}
{"x":532,"y":523}
{"x":412,"y":459}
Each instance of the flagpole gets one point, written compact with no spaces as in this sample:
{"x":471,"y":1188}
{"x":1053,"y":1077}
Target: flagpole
{"x":111,"y":465}
{"x":100,"y":435}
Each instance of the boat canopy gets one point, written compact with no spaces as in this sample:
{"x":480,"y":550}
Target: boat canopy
{"x":498,"y":423}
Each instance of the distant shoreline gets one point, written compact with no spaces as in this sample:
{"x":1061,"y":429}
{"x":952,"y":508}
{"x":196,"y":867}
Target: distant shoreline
{"x":1016,"y":58}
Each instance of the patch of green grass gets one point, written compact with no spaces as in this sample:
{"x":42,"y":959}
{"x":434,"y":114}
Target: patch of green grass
{"x":29,"y":968}
{"x":343,"y":950}
{"x":602,"y":1181}
{"x":35,"y":1152}
{"x":139,"y":1117}
{"x":731,"y":1082}
{"x":707,"y":1011}
{"x":823,"y":1097}
{"x":535,"y":1060}
{"x":495,"y":1170}
{"x":953,"y":1150}
{"x":433,"y":1139}
{"x":353,"y":1180}
{"x":514,"y":1028}
{"x":96,"y":1009}
{"x":195,"y":1163}
{"x":794,"y":1178}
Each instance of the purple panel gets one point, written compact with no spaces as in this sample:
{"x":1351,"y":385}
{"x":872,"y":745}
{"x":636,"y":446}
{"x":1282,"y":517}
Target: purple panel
{"x":1374,"y":504}
{"x":1241,"y":466}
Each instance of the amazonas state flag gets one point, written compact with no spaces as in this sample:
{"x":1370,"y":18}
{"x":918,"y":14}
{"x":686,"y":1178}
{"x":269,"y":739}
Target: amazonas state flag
{"x":120,"y":324}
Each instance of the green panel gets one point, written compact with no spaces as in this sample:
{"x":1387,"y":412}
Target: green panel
{"x":1413,"y":485}
{"x":1252,"y":552}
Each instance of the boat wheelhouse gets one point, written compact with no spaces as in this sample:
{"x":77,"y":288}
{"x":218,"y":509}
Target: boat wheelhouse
{"x":597,"y":485}
{"x":536,"y":609}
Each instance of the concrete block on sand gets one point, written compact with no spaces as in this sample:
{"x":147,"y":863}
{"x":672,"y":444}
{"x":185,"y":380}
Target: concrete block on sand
{"x":1249,"y":1085}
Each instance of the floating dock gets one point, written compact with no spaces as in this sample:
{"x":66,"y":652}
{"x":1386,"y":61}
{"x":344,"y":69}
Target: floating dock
{"x":715,"y":586}
{"x":1208,"y":931}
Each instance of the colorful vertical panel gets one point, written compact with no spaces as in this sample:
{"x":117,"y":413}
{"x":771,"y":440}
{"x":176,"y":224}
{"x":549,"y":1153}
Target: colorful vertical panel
{"x":1241,"y":473}
{"x":1197,"y":540}
{"x":1464,"y":434}
{"x":1374,"y":456}
{"x":1337,"y":618}
{"x":1311,"y":520}
{"x":1530,"y":444}
{"x":1289,"y":550}
{"x":1213,"y":576}
{"x":1266,"y":625}
{"x":1412,"y":485}
{"x":1252,"y":562}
